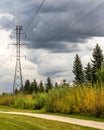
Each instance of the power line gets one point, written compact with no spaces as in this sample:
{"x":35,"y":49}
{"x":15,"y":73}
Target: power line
{"x":53,"y":17}
{"x":95,"y":28}
{"x":34,"y":16}
{"x":14,"y":13}
{"x":87,"y":14}
{"x":90,"y":31}
{"x":6,"y":59}
{"x":91,"y":11}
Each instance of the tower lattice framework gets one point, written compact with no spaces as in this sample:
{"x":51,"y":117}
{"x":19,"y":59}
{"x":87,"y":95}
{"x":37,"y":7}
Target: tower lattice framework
{"x":18,"y":82}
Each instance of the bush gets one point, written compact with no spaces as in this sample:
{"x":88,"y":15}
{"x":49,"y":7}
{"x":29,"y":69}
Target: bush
{"x":24,"y":101}
{"x":39,"y":100}
{"x":79,"y":99}
{"x":6,"y":100}
{"x":17,"y":101}
{"x":55,"y":98}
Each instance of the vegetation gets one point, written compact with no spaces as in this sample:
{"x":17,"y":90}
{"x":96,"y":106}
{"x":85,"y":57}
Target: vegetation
{"x":84,"y":100}
{"x":88,"y":73}
{"x":78,"y":71}
{"x":85,"y":97}
{"x":48,"y":84}
{"x":97,"y":62}
{"x":16,"y":122}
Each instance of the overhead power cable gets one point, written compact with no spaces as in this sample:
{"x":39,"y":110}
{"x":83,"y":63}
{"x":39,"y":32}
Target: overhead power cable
{"x":87,"y":14}
{"x":81,"y":19}
{"x":34,"y":16}
{"x":94,"y":29}
{"x":6,"y":59}
{"x":55,"y":16}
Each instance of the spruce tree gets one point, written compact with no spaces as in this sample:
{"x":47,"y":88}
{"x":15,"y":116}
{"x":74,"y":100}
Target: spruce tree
{"x":26,"y":89}
{"x":41,"y":87}
{"x":88,"y":73}
{"x":49,"y":84}
{"x":97,"y":62}
{"x":78,"y":70}
{"x":34,"y":87}
{"x":100,"y":76}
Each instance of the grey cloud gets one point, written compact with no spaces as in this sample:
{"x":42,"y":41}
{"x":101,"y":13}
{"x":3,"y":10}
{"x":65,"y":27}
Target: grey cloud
{"x":6,"y":23}
{"x":52,"y":73}
{"x":58,"y":28}
{"x":57,"y":47}
{"x":61,"y":29}
{"x":69,"y":23}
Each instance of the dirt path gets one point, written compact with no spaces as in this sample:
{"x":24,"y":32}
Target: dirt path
{"x":93,"y":124}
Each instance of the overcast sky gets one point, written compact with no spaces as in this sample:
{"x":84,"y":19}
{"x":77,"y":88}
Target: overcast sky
{"x":61,"y":29}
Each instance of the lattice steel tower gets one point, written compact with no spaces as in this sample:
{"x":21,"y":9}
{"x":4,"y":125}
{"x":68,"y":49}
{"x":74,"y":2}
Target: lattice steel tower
{"x":18,"y":83}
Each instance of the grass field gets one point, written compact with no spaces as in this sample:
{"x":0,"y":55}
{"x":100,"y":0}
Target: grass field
{"x":17,"y":122}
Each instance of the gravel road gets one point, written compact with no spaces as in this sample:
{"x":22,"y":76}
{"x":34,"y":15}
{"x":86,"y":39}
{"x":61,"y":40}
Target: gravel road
{"x":81,"y":122}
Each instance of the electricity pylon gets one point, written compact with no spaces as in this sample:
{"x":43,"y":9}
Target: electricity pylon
{"x":18,"y":81}
{"x":18,"y":72}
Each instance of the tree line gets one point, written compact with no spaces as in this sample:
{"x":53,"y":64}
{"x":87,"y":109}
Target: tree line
{"x":34,"y":87}
{"x":93,"y":72}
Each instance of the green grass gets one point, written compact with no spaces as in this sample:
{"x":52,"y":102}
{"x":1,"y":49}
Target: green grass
{"x":6,"y":108}
{"x":17,"y":122}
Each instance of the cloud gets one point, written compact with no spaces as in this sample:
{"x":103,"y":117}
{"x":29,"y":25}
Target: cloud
{"x":58,"y":23}
{"x":60,"y":30}
{"x":6,"y":23}
{"x":72,"y":25}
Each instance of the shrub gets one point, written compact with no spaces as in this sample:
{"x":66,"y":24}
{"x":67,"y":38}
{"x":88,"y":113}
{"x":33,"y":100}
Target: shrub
{"x":24,"y":101}
{"x":17,"y":101}
{"x":39,"y":100}
{"x":55,"y":98}
{"x":80,"y":99}
{"x":6,"y":100}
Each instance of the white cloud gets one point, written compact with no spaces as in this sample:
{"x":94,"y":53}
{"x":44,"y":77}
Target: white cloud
{"x":8,"y":15}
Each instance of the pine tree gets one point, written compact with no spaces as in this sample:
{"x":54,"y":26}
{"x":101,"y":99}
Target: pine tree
{"x":97,"y":62}
{"x":34,"y":87}
{"x":48,"y":84}
{"x":100,"y":76}
{"x":88,"y":73}
{"x":78,"y":71}
{"x":26,"y":88}
{"x":41,"y":87}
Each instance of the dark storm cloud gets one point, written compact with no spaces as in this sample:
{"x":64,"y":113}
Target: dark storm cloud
{"x":52,"y":73}
{"x":56,"y":47}
{"x":58,"y":23}
{"x":68,"y":25}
